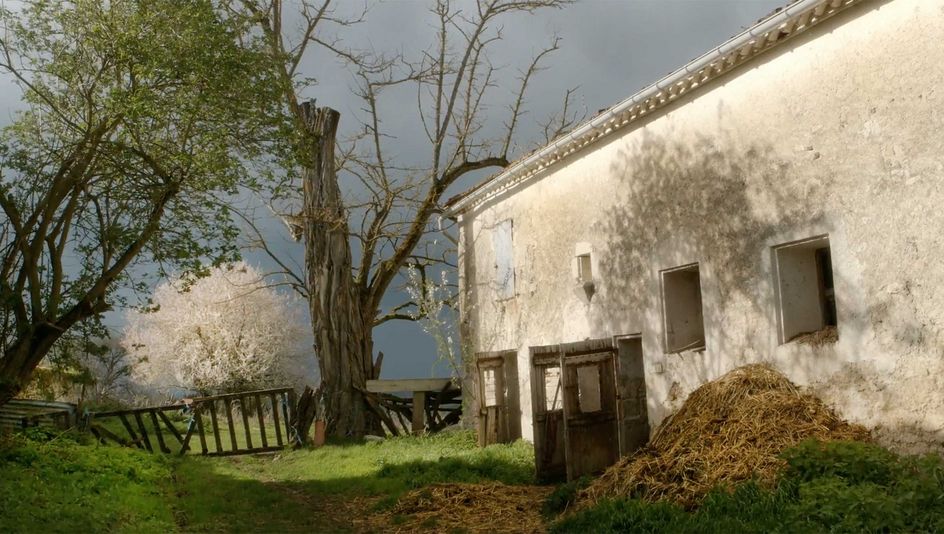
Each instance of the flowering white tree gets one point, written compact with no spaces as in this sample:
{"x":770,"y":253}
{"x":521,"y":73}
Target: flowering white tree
{"x":228,"y":331}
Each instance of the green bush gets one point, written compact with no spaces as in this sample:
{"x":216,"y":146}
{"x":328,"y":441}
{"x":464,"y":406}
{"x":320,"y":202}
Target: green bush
{"x":836,"y":487}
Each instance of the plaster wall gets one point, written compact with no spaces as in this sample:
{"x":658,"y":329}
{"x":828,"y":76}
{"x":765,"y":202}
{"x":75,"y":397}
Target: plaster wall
{"x":839,"y":132}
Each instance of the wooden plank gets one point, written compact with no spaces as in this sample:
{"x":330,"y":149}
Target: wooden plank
{"x":198,"y":415}
{"x":171,"y":427}
{"x":139,"y":410}
{"x":143,"y":431}
{"x":400,"y":418}
{"x":244,"y":411}
{"x":216,"y":426}
{"x":232,"y":396}
{"x":261,"y":417}
{"x":158,"y":433}
{"x":105,"y":433}
{"x":275,"y":420}
{"x":419,"y":412}
{"x":587,"y":358}
{"x":54,"y":405}
{"x":131,"y":433}
{"x":185,"y":444}
{"x":245,"y":451}
{"x":384,"y":416}
{"x":409,"y":385}
{"x":289,"y":404}
{"x":228,"y":402}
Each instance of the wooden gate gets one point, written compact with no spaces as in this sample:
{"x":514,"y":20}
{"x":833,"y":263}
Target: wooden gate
{"x":590,"y":415}
{"x":253,"y":422}
{"x":631,"y":395}
{"x":497,"y":389}
{"x":589,"y":406}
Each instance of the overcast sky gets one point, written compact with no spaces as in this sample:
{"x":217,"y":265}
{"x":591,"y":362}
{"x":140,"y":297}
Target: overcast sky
{"x":609,"y":49}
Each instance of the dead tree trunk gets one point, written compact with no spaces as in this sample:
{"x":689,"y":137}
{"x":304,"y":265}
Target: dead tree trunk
{"x":342,"y":328}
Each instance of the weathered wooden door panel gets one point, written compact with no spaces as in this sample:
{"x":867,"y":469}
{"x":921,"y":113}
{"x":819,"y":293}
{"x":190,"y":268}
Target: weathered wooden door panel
{"x":497,"y":395}
{"x":493,"y":421}
{"x":633,"y":408}
{"x":590,"y":412}
{"x":547,"y":407}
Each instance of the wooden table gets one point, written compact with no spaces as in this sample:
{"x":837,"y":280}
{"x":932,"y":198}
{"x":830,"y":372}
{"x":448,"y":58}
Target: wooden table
{"x":419,"y":388}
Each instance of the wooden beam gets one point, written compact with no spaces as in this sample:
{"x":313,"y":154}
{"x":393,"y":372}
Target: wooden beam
{"x":409,"y":385}
{"x":243,"y":409}
{"x":228,"y":404}
{"x":419,"y":412}
{"x":262,"y":428}
{"x":275,"y":419}
{"x":171,"y":427}
{"x":158,"y":433}
{"x":216,"y":426}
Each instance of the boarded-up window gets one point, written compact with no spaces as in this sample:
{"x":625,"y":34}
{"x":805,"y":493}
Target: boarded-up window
{"x":553,"y":398}
{"x":489,"y":378}
{"x":588,"y":388}
{"x":504,"y":260}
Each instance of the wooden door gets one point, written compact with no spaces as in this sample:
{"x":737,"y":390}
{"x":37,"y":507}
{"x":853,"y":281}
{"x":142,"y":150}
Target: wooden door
{"x":632,"y":399}
{"x":547,"y":403}
{"x":590,"y":411}
{"x":493,"y":413}
{"x":497,"y":391}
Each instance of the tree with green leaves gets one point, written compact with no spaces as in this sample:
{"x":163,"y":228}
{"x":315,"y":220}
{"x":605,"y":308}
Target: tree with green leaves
{"x":139,"y":119}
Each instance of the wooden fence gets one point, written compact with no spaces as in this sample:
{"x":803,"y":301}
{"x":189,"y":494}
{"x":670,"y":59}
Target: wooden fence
{"x":24,"y":413}
{"x":224,"y":425}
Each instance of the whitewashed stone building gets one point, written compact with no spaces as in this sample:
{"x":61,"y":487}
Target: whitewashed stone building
{"x":786,"y":182}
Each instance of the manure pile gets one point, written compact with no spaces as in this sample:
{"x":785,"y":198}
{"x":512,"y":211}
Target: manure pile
{"x":492,"y":507}
{"x":728,"y":430}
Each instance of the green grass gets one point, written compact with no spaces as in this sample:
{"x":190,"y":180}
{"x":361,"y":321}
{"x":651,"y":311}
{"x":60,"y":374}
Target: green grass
{"x":67,"y":485}
{"x":833,"y":487}
{"x":225,"y":495}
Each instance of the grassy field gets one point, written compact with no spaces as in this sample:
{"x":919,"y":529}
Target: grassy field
{"x":65,"y":483}
{"x":54,"y":483}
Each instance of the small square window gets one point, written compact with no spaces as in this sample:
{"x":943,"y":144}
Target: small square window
{"x":682,"y":309}
{"x":553,"y":398}
{"x":584,"y":269}
{"x":805,"y":293}
{"x":491,"y":399}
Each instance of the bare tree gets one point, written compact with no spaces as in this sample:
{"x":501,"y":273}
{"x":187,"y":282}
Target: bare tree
{"x":387,"y":215}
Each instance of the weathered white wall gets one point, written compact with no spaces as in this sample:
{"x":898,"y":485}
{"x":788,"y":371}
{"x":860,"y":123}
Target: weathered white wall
{"x":838,"y":132}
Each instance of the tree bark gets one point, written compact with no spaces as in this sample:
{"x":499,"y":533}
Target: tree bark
{"x":342,"y":327}
{"x":20,"y":359}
